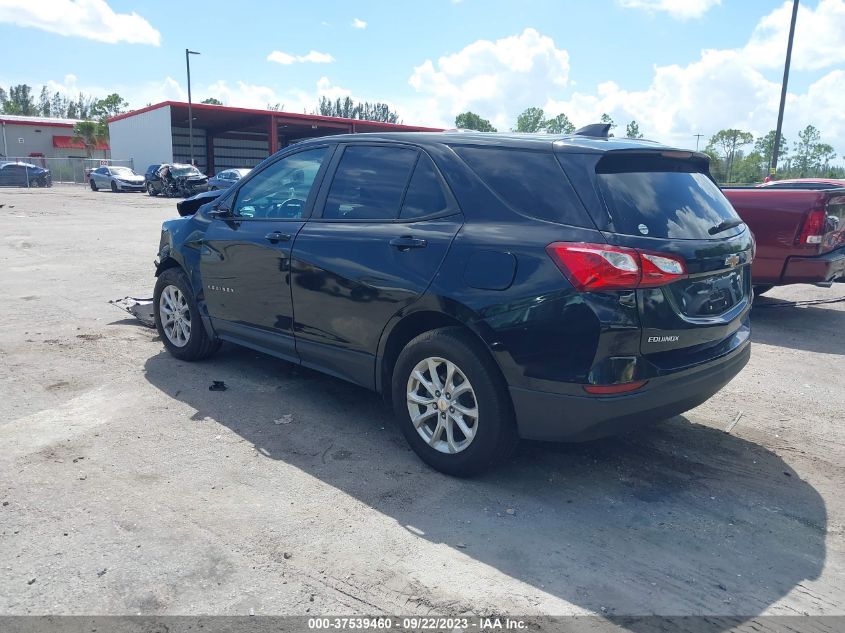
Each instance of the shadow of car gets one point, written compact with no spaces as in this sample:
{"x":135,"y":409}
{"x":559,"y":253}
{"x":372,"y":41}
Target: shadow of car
{"x":677,"y":519}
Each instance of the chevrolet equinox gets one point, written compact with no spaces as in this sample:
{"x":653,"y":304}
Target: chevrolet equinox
{"x":490,"y":286}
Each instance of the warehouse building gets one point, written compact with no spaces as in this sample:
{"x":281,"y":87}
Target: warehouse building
{"x":30,"y":139}
{"x":224,"y":137}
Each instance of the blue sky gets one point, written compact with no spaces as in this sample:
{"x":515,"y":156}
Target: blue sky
{"x":638,"y":59}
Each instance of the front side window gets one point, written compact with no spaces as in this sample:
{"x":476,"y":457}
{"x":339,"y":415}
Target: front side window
{"x":281,"y":190}
{"x":369,"y":183}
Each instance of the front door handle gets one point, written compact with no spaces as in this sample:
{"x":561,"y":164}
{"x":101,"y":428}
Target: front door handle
{"x":406,"y":241}
{"x":277,"y":236}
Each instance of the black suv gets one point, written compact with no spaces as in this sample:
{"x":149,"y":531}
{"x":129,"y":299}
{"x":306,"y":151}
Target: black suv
{"x":490,"y":286}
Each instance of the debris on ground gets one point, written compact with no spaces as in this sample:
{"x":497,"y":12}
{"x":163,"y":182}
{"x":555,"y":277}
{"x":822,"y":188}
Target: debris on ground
{"x":217,"y":385}
{"x":141,"y":309}
{"x":730,"y":426}
{"x":287,"y":418}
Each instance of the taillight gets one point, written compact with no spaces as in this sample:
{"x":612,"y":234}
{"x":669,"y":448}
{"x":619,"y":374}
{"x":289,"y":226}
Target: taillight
{"x":813,"y":229}
{"x":597,"y":267}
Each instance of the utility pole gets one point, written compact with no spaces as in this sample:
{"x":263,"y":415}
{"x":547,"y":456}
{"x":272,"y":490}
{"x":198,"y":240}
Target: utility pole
{"x":188,"y":53}
{"x":697,"y":139}
{"x":775,"y":150}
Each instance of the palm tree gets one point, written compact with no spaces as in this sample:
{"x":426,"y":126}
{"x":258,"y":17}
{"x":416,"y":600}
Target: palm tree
{"x":91,"y":134}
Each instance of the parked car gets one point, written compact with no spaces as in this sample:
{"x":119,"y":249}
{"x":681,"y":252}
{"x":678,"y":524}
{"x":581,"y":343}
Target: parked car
{"x":800,"y":234}
{"x":226,"y":178}
{"x":490,"y":286}
{"x":116,"y":178}
{"x":17,"y":174}
{"x":804,"y":183}
{"x":186,"y":180}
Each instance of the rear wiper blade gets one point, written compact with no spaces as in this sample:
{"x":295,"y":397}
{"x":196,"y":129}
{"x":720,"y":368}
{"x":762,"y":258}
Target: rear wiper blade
{"x":724,"y":226}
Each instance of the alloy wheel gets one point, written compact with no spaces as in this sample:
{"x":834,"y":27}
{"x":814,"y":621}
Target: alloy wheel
{"x":175,"y":316}
{"x":442,"y":405}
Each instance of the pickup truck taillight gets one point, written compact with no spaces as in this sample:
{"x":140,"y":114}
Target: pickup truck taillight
{"x":599,"y":267}
{"x":814,"y":228}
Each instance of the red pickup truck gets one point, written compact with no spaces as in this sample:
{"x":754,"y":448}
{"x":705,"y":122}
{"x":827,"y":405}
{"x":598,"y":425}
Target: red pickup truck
{"x":800,"y":234}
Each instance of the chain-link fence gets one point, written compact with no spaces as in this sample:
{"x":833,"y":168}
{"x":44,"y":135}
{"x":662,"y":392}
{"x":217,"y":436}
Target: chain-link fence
{"x":69,"y":170}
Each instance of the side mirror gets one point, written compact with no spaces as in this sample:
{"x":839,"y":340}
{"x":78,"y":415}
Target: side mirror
{"x":219,"y":212}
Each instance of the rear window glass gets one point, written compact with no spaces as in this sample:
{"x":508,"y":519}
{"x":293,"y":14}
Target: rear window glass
{"x":425,"y":194}
{"x":369,"y":183}
{"x":662,"y":197}
{"x":531,"y":183}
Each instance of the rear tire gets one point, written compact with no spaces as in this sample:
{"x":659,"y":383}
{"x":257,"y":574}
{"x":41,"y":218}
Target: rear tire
{"x":113,"y":186}
{"x":481,"y":403}
{"x":93,"y":185}
{"x":178,"y":320}
{"x":151,"y":190}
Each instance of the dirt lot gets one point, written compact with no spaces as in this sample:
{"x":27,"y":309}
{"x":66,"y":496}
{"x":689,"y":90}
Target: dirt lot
{"x":127,"y":487}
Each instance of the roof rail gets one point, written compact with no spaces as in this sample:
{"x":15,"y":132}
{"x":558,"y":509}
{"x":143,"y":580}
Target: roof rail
{"x":597,"y":130}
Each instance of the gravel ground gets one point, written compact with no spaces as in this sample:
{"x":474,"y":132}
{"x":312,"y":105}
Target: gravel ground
{"x":127,"y":487}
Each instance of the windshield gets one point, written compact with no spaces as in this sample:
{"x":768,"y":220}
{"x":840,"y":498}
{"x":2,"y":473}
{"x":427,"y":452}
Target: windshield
{"x":662,"y":197}
{"x":185,"y":171}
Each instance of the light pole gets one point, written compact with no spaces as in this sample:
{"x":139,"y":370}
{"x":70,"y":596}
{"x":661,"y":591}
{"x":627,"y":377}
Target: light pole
{"x":188,"y":54}
{"x":774,"y":166}
{"x":697,"y":139}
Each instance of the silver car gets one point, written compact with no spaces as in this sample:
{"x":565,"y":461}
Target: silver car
{"x":116,"y":178}
{"x":226,"y":178}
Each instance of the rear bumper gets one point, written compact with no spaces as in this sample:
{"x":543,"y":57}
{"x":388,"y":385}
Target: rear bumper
{"x":827,"y":267}
{"x":575,"y":418}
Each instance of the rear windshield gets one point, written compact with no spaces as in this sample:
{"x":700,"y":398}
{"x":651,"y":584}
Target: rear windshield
{"x":663,"y":197}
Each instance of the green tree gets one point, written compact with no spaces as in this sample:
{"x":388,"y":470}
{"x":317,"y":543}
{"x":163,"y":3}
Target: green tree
{"x":559,"y":125}
{"x":471,"y":121}
{"x":109,"y":106}
{"x":20,"y":101}
{"x":212,"y":101}
{"x":91,"y":133}
{"x":812,"y":157}
{"x":764,"y":147}
{"x":725,"y":144}
{"x":632,"y":130}
{"x":347,"y":108}
{"x":531,"y":120}
{"x":605,"y":118}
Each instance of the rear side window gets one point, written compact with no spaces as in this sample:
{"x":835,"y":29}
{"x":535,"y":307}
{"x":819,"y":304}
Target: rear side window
{"x":369,"y":183}
{"x":425,"y":195}
{"x":530,"y":182}
{"x":662,"y":197}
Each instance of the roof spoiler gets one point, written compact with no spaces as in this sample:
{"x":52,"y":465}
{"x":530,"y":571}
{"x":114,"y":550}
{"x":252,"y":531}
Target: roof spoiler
{"x":597,"y":130}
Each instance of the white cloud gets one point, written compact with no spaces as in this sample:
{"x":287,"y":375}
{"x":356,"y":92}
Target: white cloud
{"x":495,"y":77}
{"x":313,"y":57}
{"x":91,"y":19}
{"x":679,"y":9}
{"x":721,"y":89}
{"x":357,"y":23}
{"x":819,"y":37}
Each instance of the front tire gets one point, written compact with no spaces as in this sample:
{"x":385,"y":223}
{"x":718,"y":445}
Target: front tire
{"x":93,"y":185}
{"x":452,"y":403}
{"x":178,"y":319}
{"x":113,"y":186}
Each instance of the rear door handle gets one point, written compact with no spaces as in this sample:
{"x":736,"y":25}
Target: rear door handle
{"x":277,"y":236}
{"x":406,"y":241}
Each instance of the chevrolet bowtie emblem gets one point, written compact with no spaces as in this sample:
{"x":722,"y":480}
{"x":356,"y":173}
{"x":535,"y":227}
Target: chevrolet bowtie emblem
{"x":732,"y":260}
